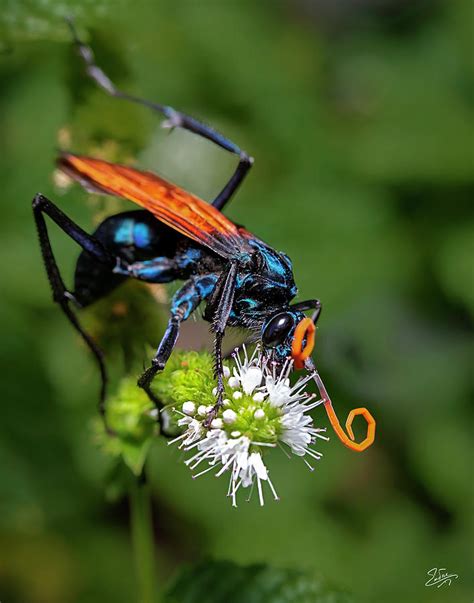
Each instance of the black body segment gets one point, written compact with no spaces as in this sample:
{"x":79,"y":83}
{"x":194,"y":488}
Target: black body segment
{"x":133,"y":236}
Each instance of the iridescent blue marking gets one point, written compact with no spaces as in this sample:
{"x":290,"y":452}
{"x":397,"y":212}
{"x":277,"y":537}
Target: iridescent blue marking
{"x":141,"y":235}
{"x":124,"y":233}
{"x":251,"y":303}
{"x":190,"y":257}
{"x":157,"y":270}
{"x":278,"y":264}
{"x":134,"y":233}
{"x":188,"y":298}
{"x":206,"y":284}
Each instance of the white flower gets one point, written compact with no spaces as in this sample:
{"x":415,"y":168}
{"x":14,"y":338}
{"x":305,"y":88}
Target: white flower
{"x":248,"y":374}
{"x":233,"y":382}
{"x":194,"y":431}
{"x":297,"y":427}
{"x":233,"y":455}
{"x":189,"y":408}
{"x":264,"y":411}
{"x":229,"y":416}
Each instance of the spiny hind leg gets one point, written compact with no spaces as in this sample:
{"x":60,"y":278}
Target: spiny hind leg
{"x":174,"y":119}
{"x":41,"y":207}
{"x":224,"y":292}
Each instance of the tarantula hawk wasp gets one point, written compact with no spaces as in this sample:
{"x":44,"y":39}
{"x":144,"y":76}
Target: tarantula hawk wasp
{"x":176,"y":236}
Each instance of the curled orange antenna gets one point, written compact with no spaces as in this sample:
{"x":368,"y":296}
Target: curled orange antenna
{"x":357,"y":446}
{"x":305,"y":330}
{"x":347,"y":440}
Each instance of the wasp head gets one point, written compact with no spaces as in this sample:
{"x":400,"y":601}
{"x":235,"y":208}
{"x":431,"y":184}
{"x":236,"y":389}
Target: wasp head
{"x":291,"y":333}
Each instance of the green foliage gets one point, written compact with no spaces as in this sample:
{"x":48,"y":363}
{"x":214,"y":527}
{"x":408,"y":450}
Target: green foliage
{"x":127,"y":323}
{"x":187,"y":376}
{"x":44,"y":19}
{"x":133,"y":426}
{"x":218,"y":581}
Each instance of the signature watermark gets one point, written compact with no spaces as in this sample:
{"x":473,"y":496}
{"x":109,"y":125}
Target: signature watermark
{"x":439,"y":576}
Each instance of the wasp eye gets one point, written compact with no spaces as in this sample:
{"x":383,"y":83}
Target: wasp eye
{"x":277,"y":329}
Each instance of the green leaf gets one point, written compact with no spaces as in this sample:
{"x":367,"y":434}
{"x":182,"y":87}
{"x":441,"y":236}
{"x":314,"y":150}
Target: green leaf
{"x":217,"y":581}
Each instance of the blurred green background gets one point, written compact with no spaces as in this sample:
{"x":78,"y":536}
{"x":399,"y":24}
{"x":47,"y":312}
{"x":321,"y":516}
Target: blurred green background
{"x":359,"y":116}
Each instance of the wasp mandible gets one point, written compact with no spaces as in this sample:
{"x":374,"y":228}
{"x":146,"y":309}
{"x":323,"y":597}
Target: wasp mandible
{"x":242,"y":281}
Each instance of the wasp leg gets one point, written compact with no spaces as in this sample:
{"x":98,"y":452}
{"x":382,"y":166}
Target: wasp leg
{"x":157,"y":270}
{"x":224,"y":292}
{"x":183,"y":304}
{"x":174,"y":119}
{"x":41,"y":206}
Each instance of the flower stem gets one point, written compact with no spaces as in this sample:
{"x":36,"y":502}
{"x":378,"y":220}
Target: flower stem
{"x":142,"y":539}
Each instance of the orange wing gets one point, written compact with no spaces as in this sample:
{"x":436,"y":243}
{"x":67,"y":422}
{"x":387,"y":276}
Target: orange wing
{"x":170,"y":204}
